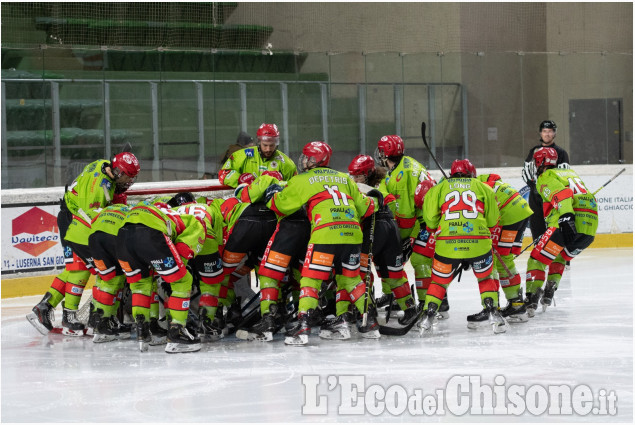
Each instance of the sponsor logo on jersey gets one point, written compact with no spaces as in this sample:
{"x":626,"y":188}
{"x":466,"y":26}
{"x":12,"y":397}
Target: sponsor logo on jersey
{"x":106,"y":183}
{"x":34,"y":232}
{"x":273,"y":165}
{"x":169,"y":262}
{"x":249,"y":153}
{"x":349,"y":213}
{"x":186,"y":304}
{"x":399,"y":176}
{"x":318,"y":218}
{"x":468,"y":227}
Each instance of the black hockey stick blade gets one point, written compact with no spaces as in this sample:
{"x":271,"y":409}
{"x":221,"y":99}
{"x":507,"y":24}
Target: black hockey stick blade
{"x":399,"y":331}
{"x":425,"y":142}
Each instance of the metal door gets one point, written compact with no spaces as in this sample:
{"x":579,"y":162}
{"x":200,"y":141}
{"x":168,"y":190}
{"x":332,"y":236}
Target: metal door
{"x":595,"y":131}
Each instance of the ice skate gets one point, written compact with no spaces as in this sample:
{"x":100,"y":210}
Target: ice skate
{"x":263,"y":330}
{"x":477,"y":320}
{"x":158,"y":334}
{"x":234,"y":315}
{"x":371,"y":329}
{"x":337,"y":327}
{"x":298,"y":331}
{"x":547,"y":296}
{"x":143,"y":333}
{"x":42,"y":315}
{"x":210,"y":330}
{"x":531,"y":302}
{"x":515,"y":311}
{"x":429,"y":315}
{"x":409,"y":315}
{"x":71,"y":325}
{"x":181,"y":340}
{"x":495,"y":319}
{"x":105,"y":329}
{"x":444,"y":309}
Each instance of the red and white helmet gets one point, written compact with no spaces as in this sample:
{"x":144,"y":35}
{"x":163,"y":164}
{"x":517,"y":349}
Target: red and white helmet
{"x":421,"y":190}
{"x":125,"y":168}
{"x":268,"y":132}
{"x":545,"y":157}
{"x":388,"y":146}
{"x":462,"y":168}
{"x":315,"y":154}
{"x":361,"y":165}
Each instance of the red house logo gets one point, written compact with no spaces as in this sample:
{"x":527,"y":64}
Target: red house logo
{"x":35,"y":231}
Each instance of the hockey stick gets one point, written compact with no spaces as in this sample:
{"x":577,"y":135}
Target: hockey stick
{"x":423,"y":136}
{"x":610,"y":180}
{"x":367,"y":295}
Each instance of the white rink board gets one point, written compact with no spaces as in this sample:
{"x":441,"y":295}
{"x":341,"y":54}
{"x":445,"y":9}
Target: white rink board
{"x":615,"y":203}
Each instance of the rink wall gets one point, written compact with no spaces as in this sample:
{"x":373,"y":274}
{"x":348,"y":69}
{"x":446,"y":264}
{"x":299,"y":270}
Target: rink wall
{"x":32,"y":254}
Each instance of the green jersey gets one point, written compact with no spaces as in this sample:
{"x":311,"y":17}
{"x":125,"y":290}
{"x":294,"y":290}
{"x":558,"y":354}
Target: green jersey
{"x":512,"y":206}
{"x":333,"y":202}
{"x":563,"y":191}
{"x":180,"y":228}
{"x":108,"y":220}
{"x":401,"y":182}
{"x":91,"y":191}
{"x":462,"y":210}
{"x":248,"y":160}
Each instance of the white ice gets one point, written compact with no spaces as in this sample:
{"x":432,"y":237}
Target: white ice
{"x":586,"y":339}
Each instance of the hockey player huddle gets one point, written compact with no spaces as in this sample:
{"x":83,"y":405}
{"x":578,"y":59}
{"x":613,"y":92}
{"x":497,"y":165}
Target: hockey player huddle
{"x":311,"y":234}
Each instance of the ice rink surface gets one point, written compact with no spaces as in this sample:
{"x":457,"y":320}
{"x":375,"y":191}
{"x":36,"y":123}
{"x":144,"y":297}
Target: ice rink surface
{"x":583,"y":345}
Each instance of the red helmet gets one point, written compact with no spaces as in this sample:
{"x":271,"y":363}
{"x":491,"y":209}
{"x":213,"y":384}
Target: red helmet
{"x":361,"y":165}
{"x":126,"y":163}
{"x":315,"y":154}
{"x":388,"y":146}
{"x":547,"y":157}
{"x":267,"y":131}
{"x":125,"y":168}
{"x":421,"y":190}
{"x":463,"y":167}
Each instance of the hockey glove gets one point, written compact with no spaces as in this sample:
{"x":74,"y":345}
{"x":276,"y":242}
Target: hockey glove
{"x":120,"y":198}
{"x":566,"y":222}
{"x":406,"y":249}
{"x":529,"y":172}
{"x":271,"y":190}
{"x":276,"y":174}
{"x":246,"y":178}
{"x":239,"y":189}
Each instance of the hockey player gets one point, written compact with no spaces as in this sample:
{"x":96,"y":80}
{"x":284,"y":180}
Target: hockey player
{"x":386,"y":253}
{"x":207,"y":265}
{"x":462,"y":212}
{"x":404,"y":174}
{"x":334,"y":206}
{"x":156,"y":237}
{"x":547,"y":130}
{"x":282,"y":258}
{"x":423,"y":251}
{"x":99,"y":184}
{"x":110,"y":280}
{"x":507,"y":242}
{"x":244,"y":165}
{"x":572,"y":219}
{"x":249,"y":227}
